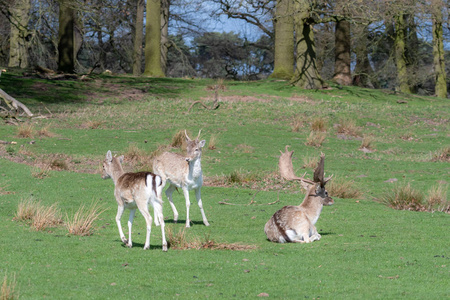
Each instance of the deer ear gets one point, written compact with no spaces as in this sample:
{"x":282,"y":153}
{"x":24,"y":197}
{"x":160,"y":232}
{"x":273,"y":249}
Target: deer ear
{"x":109,"y":156}
{"x":202,"y":143}
{"x":121,"y":159}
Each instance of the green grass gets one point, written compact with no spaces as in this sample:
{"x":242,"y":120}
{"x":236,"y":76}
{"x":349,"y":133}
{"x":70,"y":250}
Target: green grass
{"x":367,"y":250}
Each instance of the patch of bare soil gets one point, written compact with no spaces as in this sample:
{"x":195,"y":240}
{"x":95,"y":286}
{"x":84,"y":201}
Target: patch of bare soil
{"x":54,"y":161}
{"x":117,"y":90}
{"x":260,"y":98}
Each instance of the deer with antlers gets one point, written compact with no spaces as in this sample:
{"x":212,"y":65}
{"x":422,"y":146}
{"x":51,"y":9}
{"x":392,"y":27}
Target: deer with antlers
{"x":296,"y":223}
{"x":183,"y":172}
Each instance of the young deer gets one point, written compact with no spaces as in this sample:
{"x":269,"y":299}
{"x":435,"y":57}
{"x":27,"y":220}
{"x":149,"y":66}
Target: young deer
{"x":134,"y":191}
{"x":183,"y":172}
{"x":296,"y":223}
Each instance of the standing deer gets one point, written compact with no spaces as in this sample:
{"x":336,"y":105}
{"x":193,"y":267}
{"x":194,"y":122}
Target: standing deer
{"x":296,"y":223}
{"x":183,"y":172}
{"x":134,"y":191}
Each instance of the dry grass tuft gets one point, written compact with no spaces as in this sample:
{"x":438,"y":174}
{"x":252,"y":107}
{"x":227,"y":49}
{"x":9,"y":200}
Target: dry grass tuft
{"x":25,"y":131}
{"x":297,"y":123}
{"x":212,"y":144}
{"x":342,"y":188}
{"x":45,"y":132}
{"x":310,"y":162}
{"x":93,"y":124}
{"x":348,"y":127}
{"x":82,"y":223}
{"x":8,"y":291}
{"x":179,"y":140}
{"x":436,"y":199}
{"x":37,"y":215}
{"x":134,"y":153}
{"x":40,"y":173}
{"x":26,"y":210}
{"x":46,"y":217}
{"x":367,"y":142}
{"x":316,"y":138}
{"x":404,"y":197}
{"x":442,"y":155}
{"x":180,"y":241}
{"x":319,"y":124}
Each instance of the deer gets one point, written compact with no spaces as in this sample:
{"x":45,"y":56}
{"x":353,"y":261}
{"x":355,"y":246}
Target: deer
{"x":183,"y":172}
{"x":134,"y":191}
{"x":296,"y":224}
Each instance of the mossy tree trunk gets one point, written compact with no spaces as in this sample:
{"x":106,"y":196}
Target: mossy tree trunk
{"x":153,"y":40}
{"x":284,"y":41}
{"x":438,"y":54}
{"x":66,"y":44}
{"x":399,"y":53}
{"x":306,"y":74}
{"x":138,"y":35}
{"x":18,"y":51}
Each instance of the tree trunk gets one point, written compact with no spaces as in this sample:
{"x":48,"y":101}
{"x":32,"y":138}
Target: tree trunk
{"x":138,"y":35}
{"x":284,"y":41}
{"x":153,"y":40}
{"x":363,"y":70}
{"x":165,"y":43}
{"x":399,"y":52}
{"x":66,"y":45}
{"x":438,"y":55}
{"x":342,"y":58}
{"x":18,"y":52}
{"x":306,"y":74}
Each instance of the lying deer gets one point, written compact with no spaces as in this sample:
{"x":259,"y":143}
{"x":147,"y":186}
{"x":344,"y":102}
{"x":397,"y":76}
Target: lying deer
{"x":134,"y":191}
{"x":183,"y":172}
{"x":296,"y":223}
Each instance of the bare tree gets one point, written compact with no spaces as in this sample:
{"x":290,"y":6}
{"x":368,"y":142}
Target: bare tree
{"x":153,"y":39}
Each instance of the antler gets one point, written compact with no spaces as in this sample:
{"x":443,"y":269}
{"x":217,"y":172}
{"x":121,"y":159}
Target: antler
{"x":189,"y":139}
{"x":319,"y":172}
{"x":286,"y":168}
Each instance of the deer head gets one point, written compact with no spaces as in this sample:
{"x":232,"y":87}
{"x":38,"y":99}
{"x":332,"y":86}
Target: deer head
{"x":193,"y":147}
{"x":112,"y":165}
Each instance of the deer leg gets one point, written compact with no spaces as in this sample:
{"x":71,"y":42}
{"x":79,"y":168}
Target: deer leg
{"x":159,"y":197}
{"x":200,"y":204}
{"x":169,"y":193}
{"x":130,"y":225}
{"x":158,"y":212}
{"x":188,"y":204}
{"x":315,"y":236}
{"x":120,"y":210}
{"x":143,"y":208}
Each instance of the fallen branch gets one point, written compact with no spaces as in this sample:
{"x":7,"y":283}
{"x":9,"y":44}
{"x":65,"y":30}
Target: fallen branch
{"x":14,"y":104}
{"x":214,"y":106}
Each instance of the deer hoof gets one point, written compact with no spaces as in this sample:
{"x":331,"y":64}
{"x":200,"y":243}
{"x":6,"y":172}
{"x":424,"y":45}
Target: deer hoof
{"x":124,"y":240}
{"x":129,"y":245}
{"x":146,"y":247}
{"x":164,"y":248}
{"x":206,"y":223}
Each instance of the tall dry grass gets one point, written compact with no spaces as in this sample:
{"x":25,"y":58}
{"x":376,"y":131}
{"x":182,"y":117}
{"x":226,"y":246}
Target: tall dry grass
{"x":342,"y":188}
{"x":25,"y":130}
{"x":404,"y":197}
{"x":348,"y":126}
{"x":39,"y":216}
{"x":437,"y":200}
{"x":82,"y":223}
{"x":180,"y":240}
{"x":316,"y":139}
{"x":8,"y":290}
{"x":319,"y":124}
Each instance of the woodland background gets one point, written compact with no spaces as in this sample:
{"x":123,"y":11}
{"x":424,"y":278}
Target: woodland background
{"x":397,"y":45}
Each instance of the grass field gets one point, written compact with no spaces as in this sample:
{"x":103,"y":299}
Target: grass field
{"x":374,"y":141}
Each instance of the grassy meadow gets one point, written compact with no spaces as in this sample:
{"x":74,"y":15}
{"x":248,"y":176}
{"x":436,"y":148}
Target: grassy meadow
{"x":376,"y":143}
